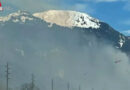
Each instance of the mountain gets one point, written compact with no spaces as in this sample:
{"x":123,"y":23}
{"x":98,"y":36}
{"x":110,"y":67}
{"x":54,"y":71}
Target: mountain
{"x":70,"y":20}
{"x":67,"y":46}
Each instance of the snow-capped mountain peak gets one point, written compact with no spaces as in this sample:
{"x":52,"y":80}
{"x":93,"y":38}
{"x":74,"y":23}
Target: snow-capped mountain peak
{"x":84,"y":22}
{"x":68,"y":19}
{"x":20,"y":16}
{"x":58,"y":17}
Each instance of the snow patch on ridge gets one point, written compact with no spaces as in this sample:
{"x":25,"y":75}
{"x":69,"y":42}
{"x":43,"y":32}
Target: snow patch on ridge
{"x":68,"y":19}
{"x":16,"y":17}
{"x":121,"y":41}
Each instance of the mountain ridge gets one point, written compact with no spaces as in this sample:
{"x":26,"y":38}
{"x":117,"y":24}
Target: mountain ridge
{"x":104,"y":31}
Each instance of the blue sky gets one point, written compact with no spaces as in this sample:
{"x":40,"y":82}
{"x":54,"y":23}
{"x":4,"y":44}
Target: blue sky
{"x":115,"y":12}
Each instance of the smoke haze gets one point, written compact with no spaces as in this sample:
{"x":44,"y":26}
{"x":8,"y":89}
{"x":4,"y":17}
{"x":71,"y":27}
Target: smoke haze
{"x":63,"y":55}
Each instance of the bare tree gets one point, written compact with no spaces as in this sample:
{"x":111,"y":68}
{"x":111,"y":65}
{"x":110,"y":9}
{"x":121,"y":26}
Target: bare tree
{"x":31,"y":85}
